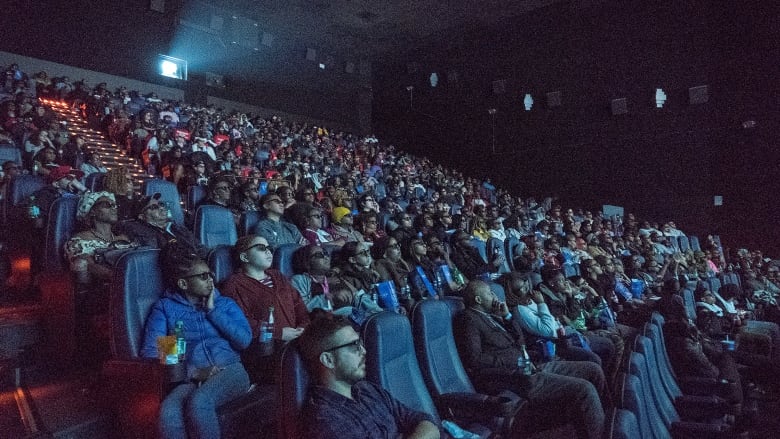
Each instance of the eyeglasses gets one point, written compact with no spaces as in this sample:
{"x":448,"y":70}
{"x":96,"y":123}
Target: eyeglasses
{"x":222,"y":188}
{"x":274,"y":200}
{"x":206,"y":275}
{"x":396,"y":246}
{"x":106,"y":204}
{"x":261,"y":247}
{"x":365,"y":252}
{"x":155,"y":206}
{"x":318,"y":216}
{"x":355,"y":345}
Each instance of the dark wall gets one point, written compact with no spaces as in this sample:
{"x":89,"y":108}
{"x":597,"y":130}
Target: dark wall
{"x":666,"y":163}
{"x":124,"y":38}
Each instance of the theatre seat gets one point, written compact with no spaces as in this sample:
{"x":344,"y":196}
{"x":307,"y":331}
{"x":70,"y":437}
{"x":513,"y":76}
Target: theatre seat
{"x":494,"y":246}
{"x":21,"y":187}
{"x":61,"y":226}
{"x":195,"y":194}
{"x":247,"y":222}
{"x":445,"y":377}
{"x":214,"y":226}
{"x":169,"y":193}
{"x":283,"y":259}
{"x":221,"y":263}
{"x":293,"y":386}
{"x":391,"y":363}
{"x":94,"y":181}
{"x":135,"y":386}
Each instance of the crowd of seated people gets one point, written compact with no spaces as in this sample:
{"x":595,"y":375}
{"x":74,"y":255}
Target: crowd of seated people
{"x":362,"y":213}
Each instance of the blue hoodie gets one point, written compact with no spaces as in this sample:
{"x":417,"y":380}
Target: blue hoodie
{"x":213,"y":338}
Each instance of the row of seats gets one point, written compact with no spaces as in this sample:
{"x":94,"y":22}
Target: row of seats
{"x":433,"y":379}
{"x":663,"y":404}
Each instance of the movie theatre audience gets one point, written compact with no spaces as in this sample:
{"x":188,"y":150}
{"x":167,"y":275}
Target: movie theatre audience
{"x":395,"y":197}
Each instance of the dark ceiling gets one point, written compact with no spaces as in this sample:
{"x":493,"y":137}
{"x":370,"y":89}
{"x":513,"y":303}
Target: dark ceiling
{"x":268,"y":40}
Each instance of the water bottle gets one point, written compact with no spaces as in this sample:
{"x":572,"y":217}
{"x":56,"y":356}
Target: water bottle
{"x":266,"y":338}
{"x":438,"y":281}
{"x":33,"y":211}
{"x":181,"y":342}
{"x":524,"y":364}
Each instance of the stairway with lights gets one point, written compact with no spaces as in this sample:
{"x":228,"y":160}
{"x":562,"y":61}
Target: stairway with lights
{"x":112,"y":154}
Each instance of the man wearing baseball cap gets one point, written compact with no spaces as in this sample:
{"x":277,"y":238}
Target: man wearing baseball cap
{"x":154,"y":228}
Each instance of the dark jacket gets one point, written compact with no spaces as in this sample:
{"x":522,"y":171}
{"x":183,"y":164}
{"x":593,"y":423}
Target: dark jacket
{"x":148,"y":235}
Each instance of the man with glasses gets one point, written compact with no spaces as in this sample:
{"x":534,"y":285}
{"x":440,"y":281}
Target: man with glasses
{"x":341,"y":403}
{"x":258,"y":289}
{"x":153,"y":227}
{"x":273,"y":228}
{"x":220,"y":193}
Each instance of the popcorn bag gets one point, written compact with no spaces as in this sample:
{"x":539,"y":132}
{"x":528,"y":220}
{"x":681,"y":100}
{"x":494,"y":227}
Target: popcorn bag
{"x":167,"y":349}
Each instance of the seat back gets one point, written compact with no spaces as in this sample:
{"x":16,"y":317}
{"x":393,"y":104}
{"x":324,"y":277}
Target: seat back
{"x":293,"y":386}
{"x":690,"y":303}
{"x":195,"y":194}
{"x":169,"y":193}
{"x":434,"y":344}
{"x":136,"y":285}
{"x":214,"y":225}
{"x":22,"y":186}
{"x":61,"y":226}
{"x":221,"y":263}
{"x":715,"y":284}
{"x":283,"y":259}
{"x":94,"y":181}
{"x":685,"y":244}
{"x":494,"y":246}
{"x":632,"y":399}
{"x":654,"y":386}
{"x":454,"y":303}
{"x":513,"y":247}
{"x":247,"y":222}
{"x":623,"y":425}
{"x":481,"y":246}
{"x":10,"y":152}
{"x":571,"y":269}
{"x":653,"y":332}
{"x":638,"y":369}
{"x":391,"y":362}
{"x":695,"y":246}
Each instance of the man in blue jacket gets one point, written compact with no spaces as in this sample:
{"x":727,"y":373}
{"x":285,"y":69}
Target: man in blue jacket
{"x":215,"y":330}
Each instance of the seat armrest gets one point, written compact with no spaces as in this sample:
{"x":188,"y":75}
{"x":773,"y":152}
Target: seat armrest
{"x":134,"y":390}
{"x":695,"y":430}
{"x":701,"y":407}
{"x":693,"y":385}
{"x":463,"y":405}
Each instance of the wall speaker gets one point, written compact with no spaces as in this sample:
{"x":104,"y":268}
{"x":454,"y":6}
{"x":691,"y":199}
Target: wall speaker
{"x":619,"y":106}
{"x":698,"y":95}
{"x":554,"y":99}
